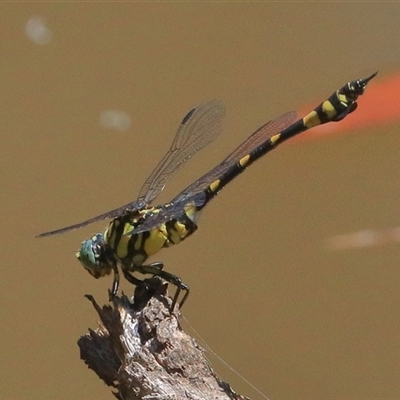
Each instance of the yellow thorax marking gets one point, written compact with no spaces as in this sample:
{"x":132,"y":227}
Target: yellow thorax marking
{"x":122,"y":245}
{"x":156,"y":240}
{"x":138,"y":241}
{"x":110,"y":233}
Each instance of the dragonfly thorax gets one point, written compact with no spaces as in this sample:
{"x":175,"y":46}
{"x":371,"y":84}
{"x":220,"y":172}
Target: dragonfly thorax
{"x":94,"y":255}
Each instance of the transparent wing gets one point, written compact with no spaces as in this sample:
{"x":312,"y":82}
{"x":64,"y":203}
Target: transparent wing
{"x":194,"y":192}
{"x":199,"y":127}
{"x":109,"y":214}
{"x":251,"y":143}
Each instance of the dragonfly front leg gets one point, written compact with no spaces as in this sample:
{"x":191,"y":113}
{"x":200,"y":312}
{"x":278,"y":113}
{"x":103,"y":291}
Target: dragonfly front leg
{"x":115,"y":285}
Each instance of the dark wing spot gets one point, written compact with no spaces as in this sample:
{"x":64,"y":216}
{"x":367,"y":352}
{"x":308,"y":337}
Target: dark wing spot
{"x":187,"y":116}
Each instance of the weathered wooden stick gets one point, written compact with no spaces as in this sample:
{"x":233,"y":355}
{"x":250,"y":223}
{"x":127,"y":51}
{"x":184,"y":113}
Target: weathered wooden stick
{"x":141,"y":351}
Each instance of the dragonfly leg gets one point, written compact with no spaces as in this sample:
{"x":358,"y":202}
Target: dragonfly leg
{"x":156,"y":269}
{"x":131,"y":279}
{"x":115,"y":285}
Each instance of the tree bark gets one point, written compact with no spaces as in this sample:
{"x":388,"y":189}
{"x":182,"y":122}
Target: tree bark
{"x":142,"y":352}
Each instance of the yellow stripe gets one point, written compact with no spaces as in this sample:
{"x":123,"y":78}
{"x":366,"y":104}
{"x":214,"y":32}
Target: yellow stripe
{"x":111,"y":233}
{"x":190,"y":211}
{"x":329,"y":109}
{"x":311,"y":120}
{"x":173,"y":235}
{"x":214,"y":186}
{"x":138,"y":241}
{"x":244,"y":160}
{"x":275,"y":138}
{"x":155,"y":242}
{"x":122,"y":247}
{"x":343,"y":99}
{"x":178,"y":233}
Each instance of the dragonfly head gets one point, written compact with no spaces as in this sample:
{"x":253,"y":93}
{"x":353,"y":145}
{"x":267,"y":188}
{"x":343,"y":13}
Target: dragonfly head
{"x":93,"y":255}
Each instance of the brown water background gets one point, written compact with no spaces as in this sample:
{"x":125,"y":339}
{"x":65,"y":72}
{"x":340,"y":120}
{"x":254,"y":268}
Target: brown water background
{"x":299,"y":319}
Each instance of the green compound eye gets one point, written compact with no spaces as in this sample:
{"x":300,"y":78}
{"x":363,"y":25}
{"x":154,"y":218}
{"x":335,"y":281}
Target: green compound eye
{"x":91,"y":255}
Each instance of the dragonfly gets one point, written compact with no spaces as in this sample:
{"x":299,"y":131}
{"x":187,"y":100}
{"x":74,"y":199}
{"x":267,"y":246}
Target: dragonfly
{"x":138,"y":230}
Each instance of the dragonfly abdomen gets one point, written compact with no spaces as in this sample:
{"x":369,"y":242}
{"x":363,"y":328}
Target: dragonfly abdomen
{"x":335,"y":108}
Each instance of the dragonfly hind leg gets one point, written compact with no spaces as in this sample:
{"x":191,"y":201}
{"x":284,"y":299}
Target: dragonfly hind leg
{"x":156,"y":269}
